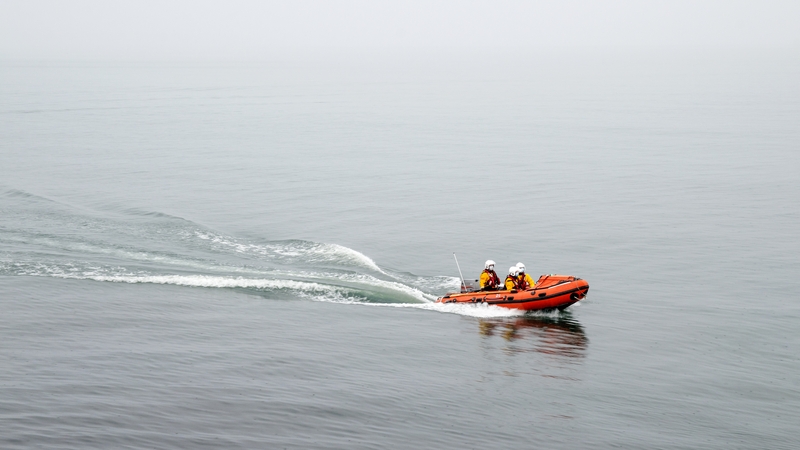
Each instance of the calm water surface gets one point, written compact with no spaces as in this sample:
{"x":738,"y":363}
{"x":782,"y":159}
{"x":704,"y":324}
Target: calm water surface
{"x":245,"y":255}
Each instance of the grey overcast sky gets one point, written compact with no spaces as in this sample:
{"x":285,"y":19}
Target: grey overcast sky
{"x":243,"y":29}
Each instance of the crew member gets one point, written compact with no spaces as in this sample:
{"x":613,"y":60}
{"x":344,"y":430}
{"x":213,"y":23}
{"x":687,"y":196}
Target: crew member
{"x":511,"y":279}
{"x":524,"y":281}
{"x":489,"y":279}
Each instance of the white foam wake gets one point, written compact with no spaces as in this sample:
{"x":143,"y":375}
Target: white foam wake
{"x":358,"y":287}
{"x":207,"y":281}
{"x":482,"y":311}
{"x":310,"y":252}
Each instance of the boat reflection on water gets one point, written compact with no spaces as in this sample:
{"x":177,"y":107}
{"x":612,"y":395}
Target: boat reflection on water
{"x":558,"y":334}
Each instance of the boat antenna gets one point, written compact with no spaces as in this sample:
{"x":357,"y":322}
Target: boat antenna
{"x":463,"y":284}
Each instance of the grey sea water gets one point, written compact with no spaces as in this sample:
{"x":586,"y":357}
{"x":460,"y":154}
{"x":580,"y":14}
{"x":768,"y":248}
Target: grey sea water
{"x":222,"y":255}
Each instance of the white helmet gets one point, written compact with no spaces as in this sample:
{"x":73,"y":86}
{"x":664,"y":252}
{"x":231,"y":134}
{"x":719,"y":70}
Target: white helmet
{"x":521,"y":267}
{"x":512,"y":271}
{"x":489,"y":264}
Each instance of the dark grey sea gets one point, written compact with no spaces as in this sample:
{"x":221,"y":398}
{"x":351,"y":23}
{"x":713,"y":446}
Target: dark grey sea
{"x":225,"y":255}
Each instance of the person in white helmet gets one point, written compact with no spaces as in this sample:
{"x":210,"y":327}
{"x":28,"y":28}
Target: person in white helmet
{"x":511,"y":279}
{"x":524,"y":281}
{"x":489,"y":279}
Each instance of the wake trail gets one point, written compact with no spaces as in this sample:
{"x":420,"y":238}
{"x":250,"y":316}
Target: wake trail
{"x":46,"y":237}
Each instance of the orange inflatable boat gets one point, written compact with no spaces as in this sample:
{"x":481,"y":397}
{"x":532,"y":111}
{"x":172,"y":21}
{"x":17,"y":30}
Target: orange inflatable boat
{"x":550,"y":292}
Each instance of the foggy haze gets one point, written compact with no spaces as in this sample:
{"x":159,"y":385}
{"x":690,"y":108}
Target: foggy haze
{"x":253,"y":29}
